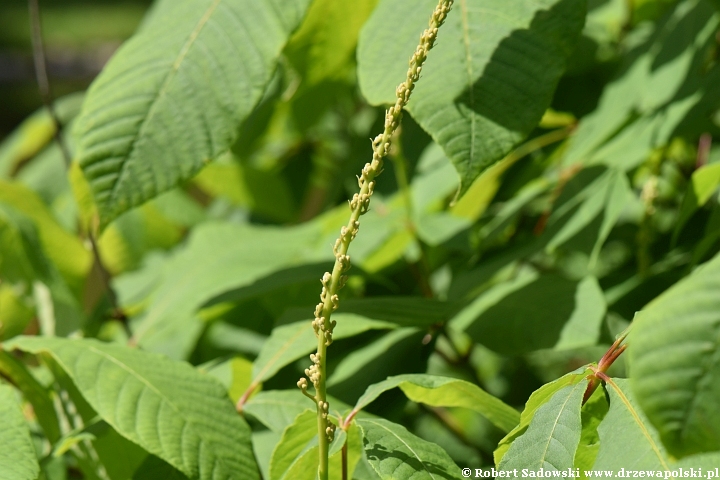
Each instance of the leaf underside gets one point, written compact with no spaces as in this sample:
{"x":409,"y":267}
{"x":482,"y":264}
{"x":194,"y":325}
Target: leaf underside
{"x":488,"y":80}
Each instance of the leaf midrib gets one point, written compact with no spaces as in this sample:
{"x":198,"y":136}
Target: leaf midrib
{"x":137,"y":375}
{"x":555,"y":423}
{"x":639,"y":422}
{"x":403,"y":442}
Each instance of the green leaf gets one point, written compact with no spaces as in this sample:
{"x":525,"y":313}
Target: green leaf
{"x":439,"y":391}
{"x":166,"y":407}
{"x":64,"y":249}
{"x":486,"y":83}
{"x":219,"y":257}
{"x":291,"y":342}
{"x":276,"y":409}
{"x":533,"y":312}
{"x":674,"y":362}
{"x":322,"y":49}
{"x":292,"y":445}
{"x":206,"y":62}
{"x":34,"y":133}
{"x":38,"y":396}
{"x":703,"y":183}
{"x":18,"y":461}
{"x":592,"y":413}
{"x":538,"y":398}
{"x":15,"y":312}
{"x":552,"y":436}
{"x":627,"y":440}
{"x":396,"y":454}
{"x":608,"y":195}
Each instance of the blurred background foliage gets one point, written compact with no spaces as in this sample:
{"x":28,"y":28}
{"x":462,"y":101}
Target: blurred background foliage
{"x":610,"y":201}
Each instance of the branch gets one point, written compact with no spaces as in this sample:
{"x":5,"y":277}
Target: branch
{"x":40,"y":62}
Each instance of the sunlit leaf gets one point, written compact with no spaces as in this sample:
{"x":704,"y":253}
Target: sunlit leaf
{"x":488,"y":81}
{"x":396,"y":454}
{"x":445,"y":392}
{"x":674,"y":362}
{"x":553,"y":435}
{"x":170,"y":409}
{"x":206,"y":62}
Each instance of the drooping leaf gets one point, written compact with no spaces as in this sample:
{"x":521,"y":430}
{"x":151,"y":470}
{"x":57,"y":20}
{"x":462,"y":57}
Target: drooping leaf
{"x":205,"y":62}
{"x":538,"y":398}
{"x":439,"y":391}
{"x":642,"y":108}
{"x":627,"y":440}
{"x":18,"y":461}
{"x":553,"y":435}
{"x":487,"y":82}
{"x":674,"y":362}
{"x":291,"y":342}
{"x":396,"y":454}
{"x":168,"y":408}
{"x":533,"y":312}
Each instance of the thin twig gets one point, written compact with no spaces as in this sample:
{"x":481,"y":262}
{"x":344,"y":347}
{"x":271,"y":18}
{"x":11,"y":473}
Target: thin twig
{"x":43,"y":81}
{"x":40,"y":61}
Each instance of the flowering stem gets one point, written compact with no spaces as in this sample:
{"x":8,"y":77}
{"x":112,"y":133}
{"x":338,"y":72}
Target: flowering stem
{"x":333,"y":282}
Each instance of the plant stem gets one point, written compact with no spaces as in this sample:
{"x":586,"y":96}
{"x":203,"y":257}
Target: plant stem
{"x":42,"y":77}
{"x":333,"y":282}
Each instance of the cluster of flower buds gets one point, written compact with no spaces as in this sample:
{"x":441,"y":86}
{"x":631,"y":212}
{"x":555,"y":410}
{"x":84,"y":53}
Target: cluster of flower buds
{"x":330,"y":430}
{"x":359,"y":205}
